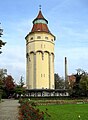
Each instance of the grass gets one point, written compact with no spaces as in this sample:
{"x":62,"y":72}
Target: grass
{"x":67,"y":111}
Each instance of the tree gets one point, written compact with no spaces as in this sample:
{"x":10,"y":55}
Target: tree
{"x":9,"y":85}
{"x":59,"y":82}
{"x":1,"y":91}
{"x":1,"y":42}
{"x":3,"y":73}
{"x":19,"y":89}
{"x":84,"y":85}
{"x":80,"y":87}
{"x":21,"y":81}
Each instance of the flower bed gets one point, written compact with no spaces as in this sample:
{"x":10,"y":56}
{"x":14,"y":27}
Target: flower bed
{"x":50,"y":102}
{"x":28,"y":111}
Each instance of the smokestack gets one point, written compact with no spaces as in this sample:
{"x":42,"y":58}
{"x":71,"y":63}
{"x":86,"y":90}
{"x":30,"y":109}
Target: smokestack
{"x":66,"y":74}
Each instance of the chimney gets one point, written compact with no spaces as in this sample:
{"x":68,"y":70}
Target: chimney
{"x":66,"y":75}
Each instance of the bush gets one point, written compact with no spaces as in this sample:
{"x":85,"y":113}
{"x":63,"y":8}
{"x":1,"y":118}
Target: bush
{"x":28,"y":112}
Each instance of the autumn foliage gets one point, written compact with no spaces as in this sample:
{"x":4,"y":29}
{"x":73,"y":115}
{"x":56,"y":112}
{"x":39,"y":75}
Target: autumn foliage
{"x":28,"y":112}
{"x":9,"y":85}
{"x":8,"y":82}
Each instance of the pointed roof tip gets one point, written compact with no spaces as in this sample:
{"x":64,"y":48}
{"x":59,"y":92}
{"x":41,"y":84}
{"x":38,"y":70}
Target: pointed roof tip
{"x":40,"y":16}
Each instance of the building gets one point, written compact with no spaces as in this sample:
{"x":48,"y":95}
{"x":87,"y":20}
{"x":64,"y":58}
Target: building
{"x":40,"y":55}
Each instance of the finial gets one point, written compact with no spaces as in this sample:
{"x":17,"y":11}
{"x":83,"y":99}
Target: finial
{"x":39,"y":7}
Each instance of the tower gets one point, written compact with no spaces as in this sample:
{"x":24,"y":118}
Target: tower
{"x":40,"y":55}
{"x":66,"y":74}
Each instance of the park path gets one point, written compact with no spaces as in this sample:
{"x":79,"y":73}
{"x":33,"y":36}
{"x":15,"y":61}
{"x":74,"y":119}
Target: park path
{"x":9,"y":109}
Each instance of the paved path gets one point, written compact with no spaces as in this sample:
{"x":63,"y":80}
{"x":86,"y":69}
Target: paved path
{"x":9,"y":109}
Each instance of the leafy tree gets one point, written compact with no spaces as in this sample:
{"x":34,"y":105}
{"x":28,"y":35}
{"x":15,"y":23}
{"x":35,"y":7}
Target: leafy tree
{"x":84,"y":85}
{"x":80,"y":87}
{"x":80,"y":71}
{"x":75,"y":90}
{"x":21,"y":81}
{"x":9,"y":85}
{"x":59,"y":82}
{"x":3,"y":73}
{"x":1,"y":91}
{"x":2,"y":44}
{"x":19,"y":89}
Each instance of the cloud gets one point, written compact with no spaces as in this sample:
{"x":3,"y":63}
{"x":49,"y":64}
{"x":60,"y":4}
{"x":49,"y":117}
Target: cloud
{"x":16,"y":29}
{"x":77,"y":58}
{"x":13,"y":59}
{"x":71,"y":31}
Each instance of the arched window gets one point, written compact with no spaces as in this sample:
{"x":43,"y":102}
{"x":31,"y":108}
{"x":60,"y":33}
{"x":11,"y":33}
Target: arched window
{"x":38,"y":37}
{"x":46,"y":38}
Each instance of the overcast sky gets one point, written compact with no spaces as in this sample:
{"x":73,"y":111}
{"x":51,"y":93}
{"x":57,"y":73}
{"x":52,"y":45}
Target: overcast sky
{"x":68,"y":21}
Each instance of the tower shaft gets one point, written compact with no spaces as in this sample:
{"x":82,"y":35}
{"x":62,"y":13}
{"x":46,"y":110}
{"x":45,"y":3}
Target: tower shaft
{"x":40,"y":55}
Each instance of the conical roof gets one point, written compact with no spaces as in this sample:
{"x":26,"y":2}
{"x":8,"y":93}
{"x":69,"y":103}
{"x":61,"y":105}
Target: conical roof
{"x":40,"y":16}
{"x":40,"y":23}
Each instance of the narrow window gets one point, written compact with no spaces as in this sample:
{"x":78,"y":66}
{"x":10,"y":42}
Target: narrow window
{"x":46,"y":38}
{"x":38,"y":37}
{"x":29,"y":59}
{"x":52,"y":40}
{"x":42,"y":56}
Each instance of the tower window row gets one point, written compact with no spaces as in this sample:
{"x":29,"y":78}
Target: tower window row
{"x":39,"y":37}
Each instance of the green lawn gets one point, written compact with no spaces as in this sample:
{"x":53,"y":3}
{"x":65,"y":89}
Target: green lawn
{"x":67,"y":111}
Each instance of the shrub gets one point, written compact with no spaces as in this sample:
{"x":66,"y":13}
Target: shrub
{"x":29,"y":112}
